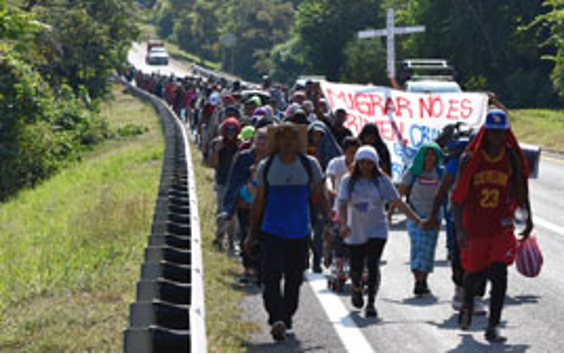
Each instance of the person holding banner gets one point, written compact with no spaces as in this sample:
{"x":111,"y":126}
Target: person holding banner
{"x":492,"y":183}
{"x":420,"y":184}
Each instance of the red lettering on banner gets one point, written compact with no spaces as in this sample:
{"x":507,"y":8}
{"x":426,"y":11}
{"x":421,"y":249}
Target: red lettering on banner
{"x":426,"y":109}
{"x":404,"y":104}
{"x":467,"y":110}
{"x":369,"y":106}
{"x":385,"y":131}
{"x":391,"y":131}
{"x":331,"y":95}
{"x":390,"y":107}
{"x":453,"y":108}
{"x":343,"y":98}
{"x":431,"y":107}
{"x":377,"y":102}
{"x":353,"y":123}
{"x":363,"y":104}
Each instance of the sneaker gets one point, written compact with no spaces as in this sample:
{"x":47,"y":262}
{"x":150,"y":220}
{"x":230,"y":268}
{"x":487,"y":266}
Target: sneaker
{"x":425,"y":288}
{"x":458,"y":298}
{"x":419,"y":289}
{"x":246,"y":279}
{"x":370,"y":311}
{"x":357,"y":298}
{"x":492,"y":335}
{"x":278,"y":331}
{"x":479,"y":307}
{"x":289,"y":329}
{"x":465,"y":319}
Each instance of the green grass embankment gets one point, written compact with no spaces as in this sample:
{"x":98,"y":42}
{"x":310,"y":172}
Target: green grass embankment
{"x":543,"y":127}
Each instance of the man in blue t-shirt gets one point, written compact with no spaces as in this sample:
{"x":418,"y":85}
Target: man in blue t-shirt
{"x":281,"y":215}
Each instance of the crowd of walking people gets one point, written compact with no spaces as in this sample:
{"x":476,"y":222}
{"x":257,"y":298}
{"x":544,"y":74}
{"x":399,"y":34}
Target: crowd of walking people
{"x":295,"y":189}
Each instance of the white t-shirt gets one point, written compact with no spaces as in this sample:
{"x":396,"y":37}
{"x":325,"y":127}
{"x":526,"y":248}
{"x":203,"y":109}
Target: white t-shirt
{"x":338,"y":169}
{"x":366,"y":216}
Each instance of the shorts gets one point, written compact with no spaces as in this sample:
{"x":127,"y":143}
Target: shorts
{"x":481,"y":252}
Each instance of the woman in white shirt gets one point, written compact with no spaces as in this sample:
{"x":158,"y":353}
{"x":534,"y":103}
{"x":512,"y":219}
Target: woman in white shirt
{"x":362,"y":198}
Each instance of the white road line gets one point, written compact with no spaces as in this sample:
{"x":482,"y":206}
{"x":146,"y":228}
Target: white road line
{"x":351,"y":336}
{"x":548,"y":225}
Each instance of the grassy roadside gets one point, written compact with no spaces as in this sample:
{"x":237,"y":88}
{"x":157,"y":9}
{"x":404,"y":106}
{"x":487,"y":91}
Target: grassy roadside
{"x":71,"y":248}
{"x":543,"y":127}
{"x":226,"y":328}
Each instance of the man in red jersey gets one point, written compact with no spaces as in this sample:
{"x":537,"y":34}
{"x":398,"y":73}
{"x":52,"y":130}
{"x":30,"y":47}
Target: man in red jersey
{"x":492,"y":184}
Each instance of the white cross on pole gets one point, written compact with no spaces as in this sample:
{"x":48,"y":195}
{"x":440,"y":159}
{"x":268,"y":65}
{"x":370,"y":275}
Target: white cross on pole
{"x":390,"y":32}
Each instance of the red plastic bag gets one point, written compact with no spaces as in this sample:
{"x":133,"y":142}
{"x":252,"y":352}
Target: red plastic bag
{"x":529,"y":258}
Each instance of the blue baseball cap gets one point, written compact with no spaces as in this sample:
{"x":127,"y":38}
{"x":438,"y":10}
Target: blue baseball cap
{"x":497,"y":119}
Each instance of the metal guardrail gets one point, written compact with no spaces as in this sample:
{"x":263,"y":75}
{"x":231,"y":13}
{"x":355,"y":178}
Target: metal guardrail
{"x":169,"y":312}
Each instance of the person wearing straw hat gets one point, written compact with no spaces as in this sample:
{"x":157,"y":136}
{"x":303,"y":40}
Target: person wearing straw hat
{"x":281,"y":219}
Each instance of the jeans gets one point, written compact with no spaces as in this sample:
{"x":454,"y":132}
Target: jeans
{"x":283,"y":260}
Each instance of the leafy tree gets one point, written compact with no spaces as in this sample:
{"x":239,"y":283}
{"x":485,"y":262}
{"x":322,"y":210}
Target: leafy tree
{"x":288,"y":62}
{"x":483,"y":39}
{"x":56,"y":58}
{"x":365,"y":62}
{"x":549,"y":27}
{"x":258,"y":25}
{"x":325,"y":27}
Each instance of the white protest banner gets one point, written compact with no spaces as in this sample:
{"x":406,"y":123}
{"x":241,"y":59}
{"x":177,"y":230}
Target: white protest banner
{"x":405,"y":120}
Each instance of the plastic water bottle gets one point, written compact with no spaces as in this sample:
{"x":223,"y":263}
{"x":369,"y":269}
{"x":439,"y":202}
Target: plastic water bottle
{"x":520,"y":219}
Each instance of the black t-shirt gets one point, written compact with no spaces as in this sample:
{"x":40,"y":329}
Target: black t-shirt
{"x":226,"y":155}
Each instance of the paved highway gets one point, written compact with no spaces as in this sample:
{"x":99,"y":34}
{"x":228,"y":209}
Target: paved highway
{"x":326,"y":322}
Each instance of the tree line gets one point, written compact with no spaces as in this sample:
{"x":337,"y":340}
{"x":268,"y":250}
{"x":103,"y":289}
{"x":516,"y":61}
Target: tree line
{"x":511,"y":47}
{"x":56,"y":58}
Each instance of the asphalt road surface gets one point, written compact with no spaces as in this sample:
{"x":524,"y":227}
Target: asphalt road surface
{"x":533,"y":316}
{"x":533,"y":319}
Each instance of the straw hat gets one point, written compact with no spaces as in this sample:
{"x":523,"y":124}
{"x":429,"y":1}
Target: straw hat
{"x":274,"y":129}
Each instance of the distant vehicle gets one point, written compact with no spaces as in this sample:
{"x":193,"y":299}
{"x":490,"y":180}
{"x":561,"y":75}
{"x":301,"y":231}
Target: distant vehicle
{"x":157,"y":56}
{"x":302,"y":81}
{"x":429,"y":76}
{"x":153,"y":44}
{"x":432,"y":86}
